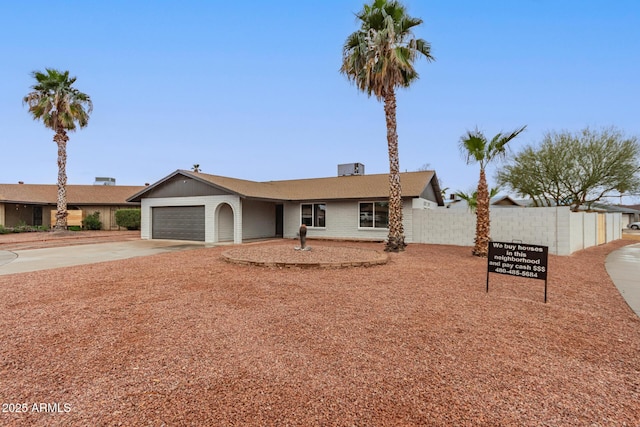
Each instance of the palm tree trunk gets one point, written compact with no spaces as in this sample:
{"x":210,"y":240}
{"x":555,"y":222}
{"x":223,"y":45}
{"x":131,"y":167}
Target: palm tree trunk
{"x":61,"y":139}
{"x":395,"y":241}
{"x":482,"y":217}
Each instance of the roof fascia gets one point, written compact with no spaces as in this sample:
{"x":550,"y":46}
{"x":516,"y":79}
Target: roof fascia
{"x":209,"y":183}
{"x":152,"y":186}
{"x":182,"y":172}
{"x":436,"y":188}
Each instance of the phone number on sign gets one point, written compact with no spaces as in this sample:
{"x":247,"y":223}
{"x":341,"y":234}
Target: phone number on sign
{"x":54,"y":407}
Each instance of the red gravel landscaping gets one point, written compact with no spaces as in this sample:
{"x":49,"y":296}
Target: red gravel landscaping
{"x":185,"y":338}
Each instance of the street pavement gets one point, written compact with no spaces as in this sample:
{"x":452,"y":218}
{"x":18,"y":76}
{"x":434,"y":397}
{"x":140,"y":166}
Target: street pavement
{"x":623,"y":266}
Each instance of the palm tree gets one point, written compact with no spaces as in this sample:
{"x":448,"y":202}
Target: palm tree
{"x":196,"y":168}
{"x":379,"y":58}
{"x":477,"y":149}
{"x":61,"y":108}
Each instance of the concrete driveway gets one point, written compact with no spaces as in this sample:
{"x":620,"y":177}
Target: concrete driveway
{"x":22,"y":261}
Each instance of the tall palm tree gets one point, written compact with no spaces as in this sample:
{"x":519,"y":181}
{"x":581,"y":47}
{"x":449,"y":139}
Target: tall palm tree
{"x":62,"y":108}
{"x":379,"y":58}
{"x":475,"y":147}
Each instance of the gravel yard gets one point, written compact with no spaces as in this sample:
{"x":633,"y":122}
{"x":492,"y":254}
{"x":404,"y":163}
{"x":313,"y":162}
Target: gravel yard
{"x":187,"y":338}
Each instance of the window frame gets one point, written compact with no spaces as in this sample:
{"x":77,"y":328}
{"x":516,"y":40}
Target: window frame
{"x":373,"y":214}
{"x":315,"y":206}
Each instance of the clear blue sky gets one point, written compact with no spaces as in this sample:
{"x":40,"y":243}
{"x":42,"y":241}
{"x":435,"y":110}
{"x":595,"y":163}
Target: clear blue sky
{"x":251,"y":89}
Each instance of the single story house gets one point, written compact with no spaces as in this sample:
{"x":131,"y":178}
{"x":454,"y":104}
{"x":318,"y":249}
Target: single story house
{"x":498,"y":201}
{"x":33,"y":204}
{"x":630,"y":213}
{"x":188,"y":205}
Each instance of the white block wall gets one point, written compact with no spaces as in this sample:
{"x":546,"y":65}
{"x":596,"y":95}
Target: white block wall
{"x":614,"y":226}
{"x":584,"y":230}
{"x":538,"y":226}
{"x":444,"y":226}
{"x":563,"y":231}
{"x":577,"y":232}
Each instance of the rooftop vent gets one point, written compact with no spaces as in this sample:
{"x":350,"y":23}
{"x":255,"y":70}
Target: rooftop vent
{"x":104,"y":181}
{"x":350,"y":169}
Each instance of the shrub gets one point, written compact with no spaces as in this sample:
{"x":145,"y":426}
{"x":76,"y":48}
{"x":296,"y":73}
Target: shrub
{"x":22,"y":227}
{"x":92,"y":222}
{"x":128,"y":218}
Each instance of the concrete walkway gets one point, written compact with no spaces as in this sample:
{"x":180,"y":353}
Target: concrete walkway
{"x":22,"y":261}
{"x":623,"y":266}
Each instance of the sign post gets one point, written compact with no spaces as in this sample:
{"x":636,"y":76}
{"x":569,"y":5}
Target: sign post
{"x":518,"y":259}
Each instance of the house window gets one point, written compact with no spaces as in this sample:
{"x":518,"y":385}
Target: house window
{"x":374,"y":215}
{"x":314,"y":214}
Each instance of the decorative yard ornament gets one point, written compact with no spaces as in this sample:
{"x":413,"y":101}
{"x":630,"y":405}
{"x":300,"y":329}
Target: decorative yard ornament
{"x":303,"y":239}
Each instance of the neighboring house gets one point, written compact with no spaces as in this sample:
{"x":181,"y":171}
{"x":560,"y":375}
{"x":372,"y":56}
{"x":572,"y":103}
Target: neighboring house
{"x":33,"y":204}
{"x":630,"y":213}
{"x":498,"y":201}
{"x":187,"y":205}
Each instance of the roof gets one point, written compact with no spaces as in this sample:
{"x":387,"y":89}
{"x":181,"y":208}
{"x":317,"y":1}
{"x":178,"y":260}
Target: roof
{"x":333,"y":188}
{"x":76,"y":194}
{"x":498,"y":201}
{"x":504,"y":201}
{"x":631,"y":208}
{"x":615,"y":208}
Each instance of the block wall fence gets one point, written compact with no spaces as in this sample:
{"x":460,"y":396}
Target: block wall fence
{"x":563,"y":231}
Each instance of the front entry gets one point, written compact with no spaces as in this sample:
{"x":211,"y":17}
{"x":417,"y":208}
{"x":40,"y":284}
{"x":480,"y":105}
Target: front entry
{"x":224,"y":221}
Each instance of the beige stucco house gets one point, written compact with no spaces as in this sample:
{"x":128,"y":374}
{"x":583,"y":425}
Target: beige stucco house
{"x":32,"y":204}
{"x":187,"y":205}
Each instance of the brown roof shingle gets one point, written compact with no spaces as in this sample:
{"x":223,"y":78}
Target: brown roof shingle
{"x":340,"y":187}
{"x":334,"y":188}
{"x":76,"y":194}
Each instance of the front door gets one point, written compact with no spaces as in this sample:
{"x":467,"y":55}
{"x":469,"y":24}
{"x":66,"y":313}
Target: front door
{"x":279,"y":220}
{"x":37,"y":215}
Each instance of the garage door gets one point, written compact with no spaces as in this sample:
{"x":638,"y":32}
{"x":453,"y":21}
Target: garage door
{"x":178,"y":223}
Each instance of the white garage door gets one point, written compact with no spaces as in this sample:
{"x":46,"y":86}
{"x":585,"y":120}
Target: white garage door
{"x":178,"y":223}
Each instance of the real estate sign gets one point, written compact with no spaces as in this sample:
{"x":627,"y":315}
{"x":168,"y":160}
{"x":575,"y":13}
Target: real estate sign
{"x":518,"y":259}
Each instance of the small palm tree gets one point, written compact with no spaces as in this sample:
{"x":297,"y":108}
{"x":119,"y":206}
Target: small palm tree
{"x":379,"y":58}
{"x":472,"y":198}
{"x":62,"y":108}
{"x":196,"y":168}
{"x":477,"y":149}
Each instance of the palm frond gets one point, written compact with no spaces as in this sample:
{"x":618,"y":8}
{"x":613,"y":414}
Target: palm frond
{"x":473,"y":146}
{"x":56,"y":102}
{"x":380,"y":55}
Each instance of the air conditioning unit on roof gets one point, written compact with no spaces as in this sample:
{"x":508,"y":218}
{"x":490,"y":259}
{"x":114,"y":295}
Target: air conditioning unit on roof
{"x":104,"y":181}
{"x":350,"y":169}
